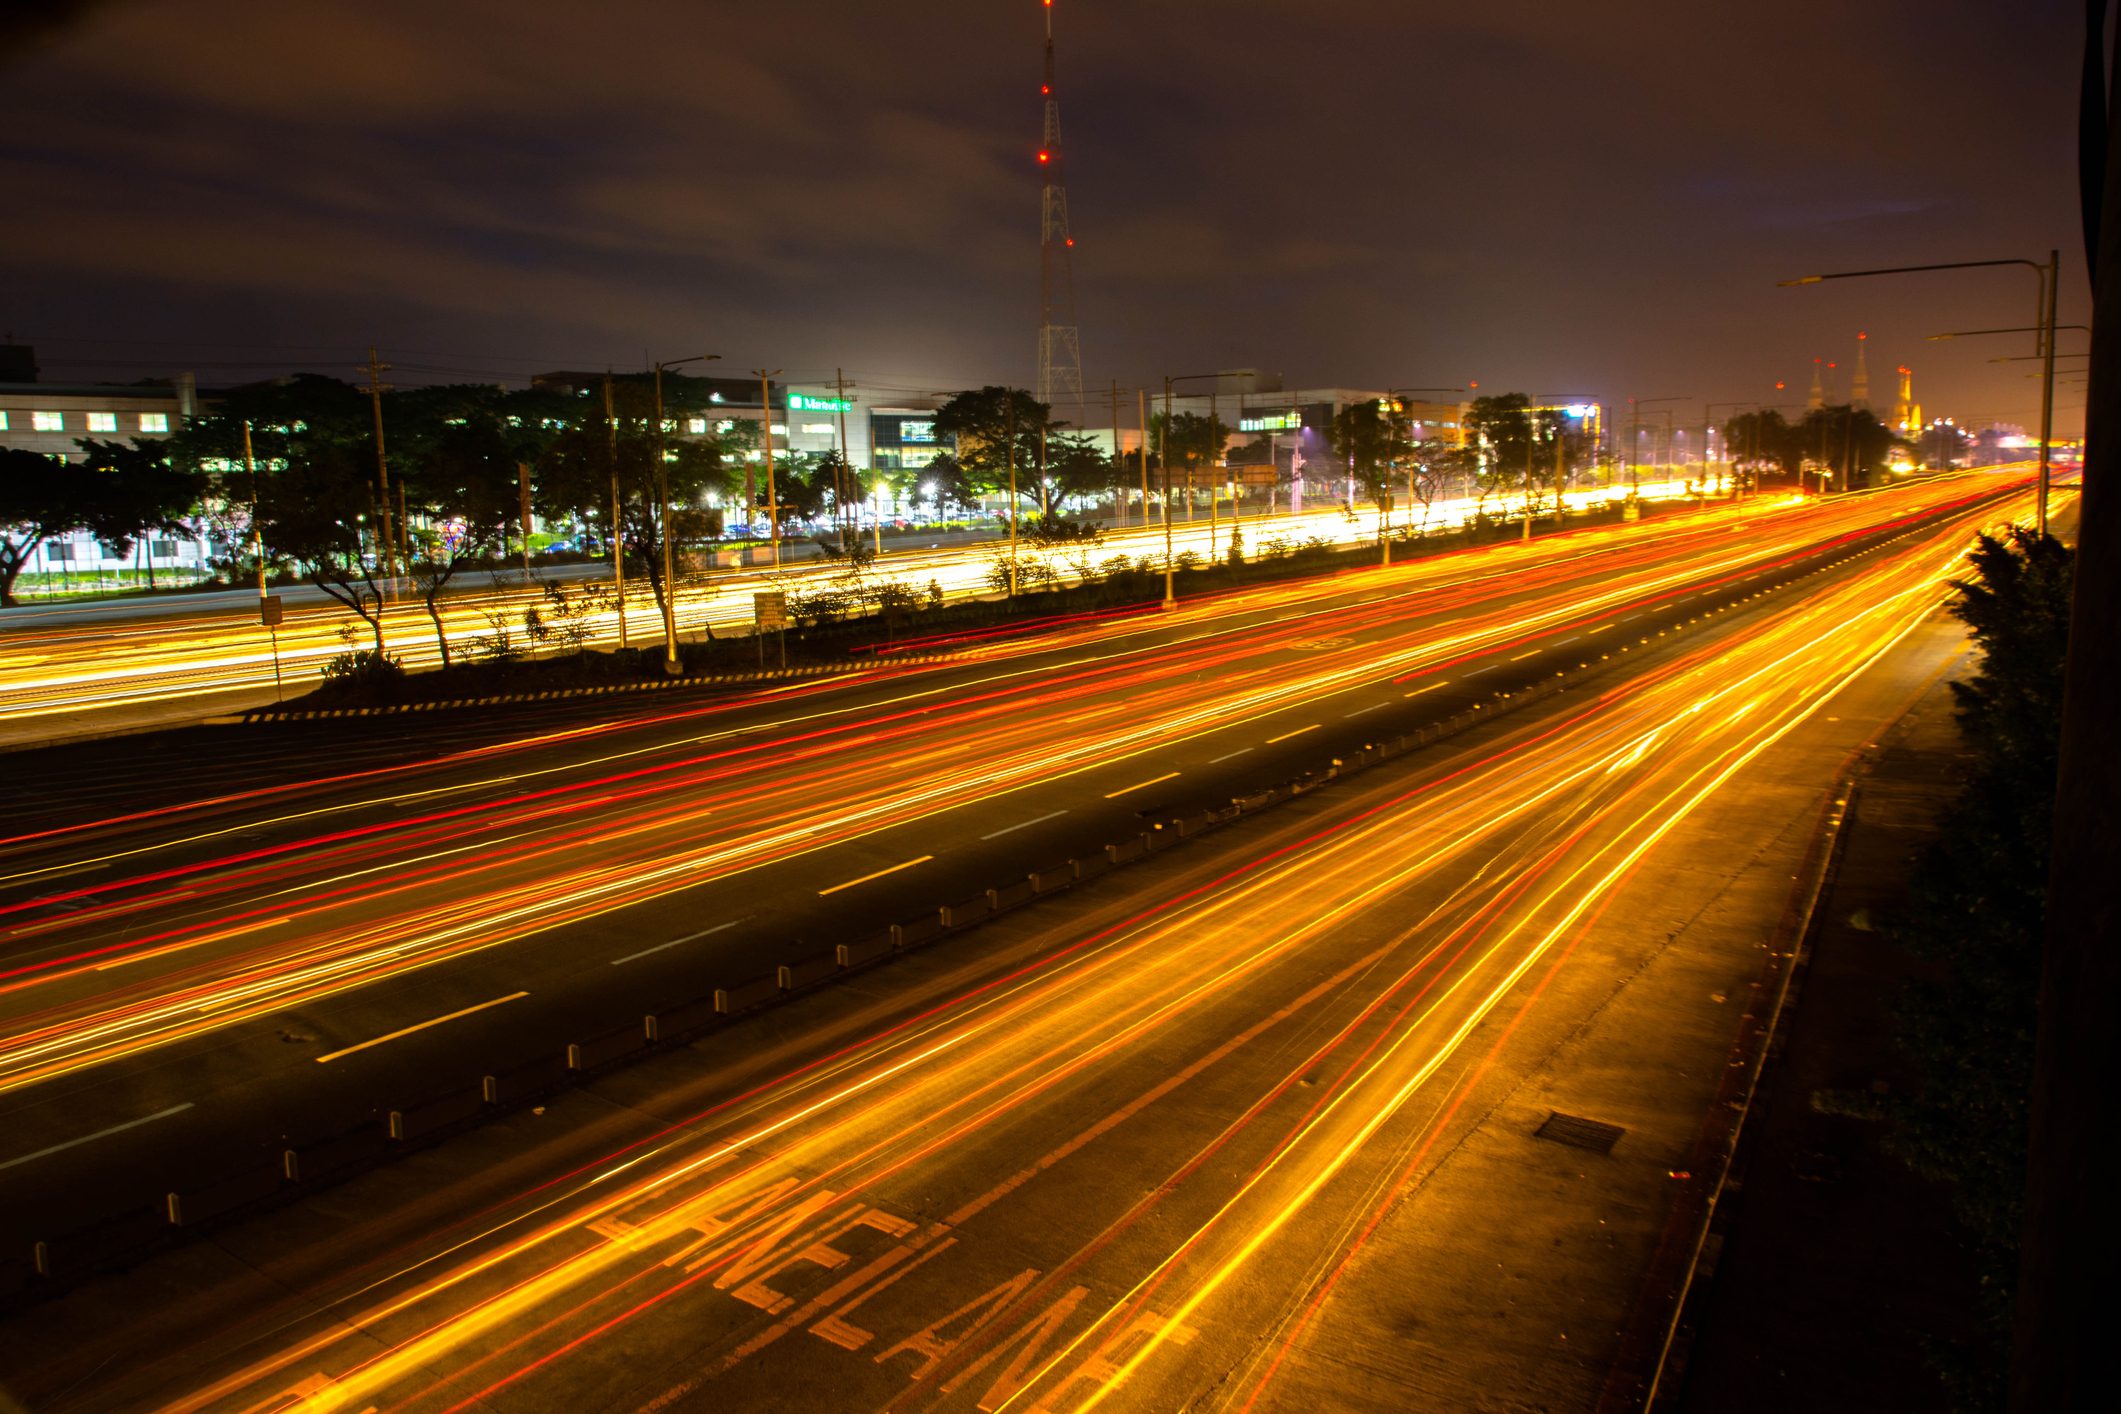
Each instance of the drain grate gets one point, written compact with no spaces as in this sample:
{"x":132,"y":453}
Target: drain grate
{"x":1580,"y":1133}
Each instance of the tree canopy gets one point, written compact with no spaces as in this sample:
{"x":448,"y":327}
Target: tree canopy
{"x":117,"y":493}
{"x":986,"y":422}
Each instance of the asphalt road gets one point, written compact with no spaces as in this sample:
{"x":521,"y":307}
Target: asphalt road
{"x":1208,"y":1133}
{"x":197,"y":976}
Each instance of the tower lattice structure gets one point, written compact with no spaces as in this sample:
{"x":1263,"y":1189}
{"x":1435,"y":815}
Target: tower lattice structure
{"x":1060,"y":358}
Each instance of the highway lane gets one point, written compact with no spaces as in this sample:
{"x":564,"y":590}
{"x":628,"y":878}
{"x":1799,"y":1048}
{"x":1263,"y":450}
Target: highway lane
{"x":73,"y":663}
{"x":185,"y":972}
{"x":1132,"y":1168}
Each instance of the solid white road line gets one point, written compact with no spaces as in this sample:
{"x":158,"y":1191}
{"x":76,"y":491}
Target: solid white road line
{"x":421,"y":1026}
{"x":877,"y":875}
{"x":688,"y":938}
{"x":1138,"y":785}
{"x":1298,"y":732}
{"x":1024,"y":825}
{"x":100,"y":1134}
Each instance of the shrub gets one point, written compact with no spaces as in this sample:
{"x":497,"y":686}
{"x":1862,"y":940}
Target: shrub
{"x":364,"y":667}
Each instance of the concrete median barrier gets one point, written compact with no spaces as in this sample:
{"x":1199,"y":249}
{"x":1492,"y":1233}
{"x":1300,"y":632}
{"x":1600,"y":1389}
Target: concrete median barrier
{"x":122,"y":1237}
{"x":1010,"y":896}
{"x":254,"y":1183}
{"x":438,"y":1113}
{"x":972,"y":910}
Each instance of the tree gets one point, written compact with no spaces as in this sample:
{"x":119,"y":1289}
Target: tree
{"x":572,"y":472}
{"x":1851,"y":442}
{"x":1077,"y":468}
{"x":1943,"y":446}
{"x":1188,"y":442}
{"x":982,"y":421}
{"x":943,"y":482}
{"x":118,"y":493}
{"x":1436,"y":464}
{"x":1763,"y":441}
{"x":1370,"y":443}
{"x":317,"y":511}
{"x":1515,"y":444}
{"x":462,"y":477}
{"x":1976,"y":908}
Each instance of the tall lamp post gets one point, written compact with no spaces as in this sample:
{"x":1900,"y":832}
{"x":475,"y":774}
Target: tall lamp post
{"x":773,"y":500}
{"x":1171,"y":570}
{"x":662,"y":491}
{"x":2049,"y":273}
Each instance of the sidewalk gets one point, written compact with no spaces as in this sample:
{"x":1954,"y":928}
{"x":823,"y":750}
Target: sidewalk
{"x":1833,"y":1265}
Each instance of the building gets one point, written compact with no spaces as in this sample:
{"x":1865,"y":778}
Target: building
{"x":53,"y":418}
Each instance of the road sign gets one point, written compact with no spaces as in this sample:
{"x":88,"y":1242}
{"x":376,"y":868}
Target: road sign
{"x":270,"y":611}
{"x":771,"y":609}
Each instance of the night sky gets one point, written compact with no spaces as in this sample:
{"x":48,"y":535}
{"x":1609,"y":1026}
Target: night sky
{"x":1591,"y":199}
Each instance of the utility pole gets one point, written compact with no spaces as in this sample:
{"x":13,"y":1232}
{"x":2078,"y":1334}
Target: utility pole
{"x":843,"y":477}
{"x":1141,"y":408}
{"x":671,"y":666}
{"x":1531,"y":481}
{"x":1215,"y":463}
{"x":1118,"y":461}
{"x":376,"y":389}
{"x":1164,"y":457}
{"x":1170,"y":571}
{"x":618,"y":532}
{"x":773,"y":502}
{"x":1010,"y":450}
{"x":257,"y":531}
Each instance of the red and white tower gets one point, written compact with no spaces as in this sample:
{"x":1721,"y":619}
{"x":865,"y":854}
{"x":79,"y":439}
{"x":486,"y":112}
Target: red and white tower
{"x":1060,"y":356}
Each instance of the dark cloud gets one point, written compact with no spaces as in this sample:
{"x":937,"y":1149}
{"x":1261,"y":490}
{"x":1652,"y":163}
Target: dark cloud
{"x":1595,"y":198}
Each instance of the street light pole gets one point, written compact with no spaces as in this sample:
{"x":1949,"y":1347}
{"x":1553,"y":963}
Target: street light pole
{"x":1010,"y":443}
{"x":773,"y":500}
{"x":2050,"y":276}
{"x":1170,"y":570}
{"x":671,"y":666}
{"x":1635,"y":423}
{"x":618,"y":537}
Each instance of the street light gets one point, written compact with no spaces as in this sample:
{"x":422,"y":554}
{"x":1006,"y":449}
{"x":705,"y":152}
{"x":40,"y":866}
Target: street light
{"x":1170,"y":571}
{"x":2049,"y":273}
{"x":662,"y":491}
